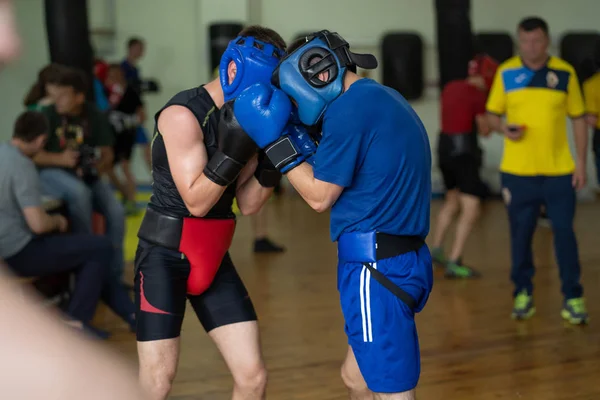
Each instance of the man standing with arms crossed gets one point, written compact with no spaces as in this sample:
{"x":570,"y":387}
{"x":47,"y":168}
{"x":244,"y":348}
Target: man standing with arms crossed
{"x":536,"y":92}
{"x":372,"y":166}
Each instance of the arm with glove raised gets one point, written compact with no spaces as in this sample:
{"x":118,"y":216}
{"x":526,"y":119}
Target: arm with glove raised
{"x":264,"y":114}
{"x":200,"y":181}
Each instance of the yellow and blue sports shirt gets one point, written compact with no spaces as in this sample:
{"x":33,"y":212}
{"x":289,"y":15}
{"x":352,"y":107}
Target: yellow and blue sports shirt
{"x":541,"y":101}
{"x":591,"y":93}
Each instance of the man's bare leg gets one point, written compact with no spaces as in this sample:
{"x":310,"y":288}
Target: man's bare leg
{"x":357,"y":387}
{"x":445,"y":216}
{"x":239,"y":345}
{"x":470,"y":209}
{"x":410,"y":395}
{"x":158,"y":366}
{"x":353,"y":379}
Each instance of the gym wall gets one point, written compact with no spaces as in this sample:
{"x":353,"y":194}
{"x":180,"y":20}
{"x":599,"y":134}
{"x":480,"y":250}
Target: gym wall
{"x":177,"y":54}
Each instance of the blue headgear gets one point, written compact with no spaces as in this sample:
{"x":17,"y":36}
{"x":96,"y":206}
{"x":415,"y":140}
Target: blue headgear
{"x":298,"y":76}
{"x":255,"y":62}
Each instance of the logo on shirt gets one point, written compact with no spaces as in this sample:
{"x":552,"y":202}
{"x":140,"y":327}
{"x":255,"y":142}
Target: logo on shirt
{"x":551,"y":79}
{"x":521,"y":78}
{"x":71,"y":137}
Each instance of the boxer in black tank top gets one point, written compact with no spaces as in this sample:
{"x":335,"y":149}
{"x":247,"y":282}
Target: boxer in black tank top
{"x":168,"y":293}
{"x":201,"y":161}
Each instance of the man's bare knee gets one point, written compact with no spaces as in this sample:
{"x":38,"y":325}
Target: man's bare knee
{"x":356,"y":384}
{"x":251,"y":379}
{"x":409,"y":395}
{"x":158,"y":366}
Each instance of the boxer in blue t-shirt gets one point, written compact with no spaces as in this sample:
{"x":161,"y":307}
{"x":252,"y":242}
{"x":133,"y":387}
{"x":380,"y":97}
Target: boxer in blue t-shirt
{"x":372,"y":166}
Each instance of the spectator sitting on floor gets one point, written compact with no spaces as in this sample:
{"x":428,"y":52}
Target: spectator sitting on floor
{"x":29,"y":238}
{"x":43,"y":91}
{"x":70,"y":169}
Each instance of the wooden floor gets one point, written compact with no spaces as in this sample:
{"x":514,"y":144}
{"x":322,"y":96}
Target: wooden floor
{"x":470,"y":347}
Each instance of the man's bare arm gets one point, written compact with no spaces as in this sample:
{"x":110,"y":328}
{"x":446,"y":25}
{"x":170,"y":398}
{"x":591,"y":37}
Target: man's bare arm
{"x":184,"y":142}
{"x":318,"y":194}
{"x":250,"y":194}
{"x":41,"y":222}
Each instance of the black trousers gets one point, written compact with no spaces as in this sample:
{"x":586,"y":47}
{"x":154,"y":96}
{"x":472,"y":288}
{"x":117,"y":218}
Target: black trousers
{"x":88,"y":256}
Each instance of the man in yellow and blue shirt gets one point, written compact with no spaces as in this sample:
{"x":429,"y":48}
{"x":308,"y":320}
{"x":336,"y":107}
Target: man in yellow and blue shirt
{"x":591,"y":92}
{"x":536,"y":93}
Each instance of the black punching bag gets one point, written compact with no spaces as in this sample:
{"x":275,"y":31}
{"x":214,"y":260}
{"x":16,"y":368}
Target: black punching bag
{"x":402,"y":63}
{"x":580,"y":49}
{"x":498,"y":45}
{"x":220,"y":34}
{"x":68,"y":35}
{"x":454,"y":39}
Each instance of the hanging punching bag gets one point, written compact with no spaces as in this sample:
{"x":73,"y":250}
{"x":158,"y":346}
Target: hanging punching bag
{"x":219,"y":36}
{"x":454,"y":39}
{"x":68,"y":35}
{"x":580,"y":50}
{"x":498,"y":45}
{"x":402,"y":63}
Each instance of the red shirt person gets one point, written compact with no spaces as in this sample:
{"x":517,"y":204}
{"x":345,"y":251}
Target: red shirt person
{"x":459,"y":158}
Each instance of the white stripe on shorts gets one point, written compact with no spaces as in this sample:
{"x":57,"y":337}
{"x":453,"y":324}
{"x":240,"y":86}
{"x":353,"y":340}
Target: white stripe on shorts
{"x":362,"y":302}
{"x":365,"y":303}
{"x":368,"y":306}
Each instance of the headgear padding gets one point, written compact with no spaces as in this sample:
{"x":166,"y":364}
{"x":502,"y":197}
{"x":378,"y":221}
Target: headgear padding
{"x":298,"y":73}
{"x":254,"y":60}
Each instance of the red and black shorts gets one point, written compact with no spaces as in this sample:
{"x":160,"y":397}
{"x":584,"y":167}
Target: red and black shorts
{"x":161,"y":276}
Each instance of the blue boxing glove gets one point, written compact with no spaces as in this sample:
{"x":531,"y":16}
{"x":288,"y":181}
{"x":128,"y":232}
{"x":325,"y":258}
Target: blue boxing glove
{"x":292,"y":149}
{"x":263,"y":112}
{"x":303,"y":142}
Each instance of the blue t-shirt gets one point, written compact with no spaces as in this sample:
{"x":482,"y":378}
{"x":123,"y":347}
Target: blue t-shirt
{"x":132,"y":73}
{"x":376,"y":147}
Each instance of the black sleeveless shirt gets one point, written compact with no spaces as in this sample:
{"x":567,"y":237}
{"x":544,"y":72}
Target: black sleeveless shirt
{"x":165,"y":196}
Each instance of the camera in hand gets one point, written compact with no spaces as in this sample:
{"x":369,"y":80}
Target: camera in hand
{"x":87,"y":163}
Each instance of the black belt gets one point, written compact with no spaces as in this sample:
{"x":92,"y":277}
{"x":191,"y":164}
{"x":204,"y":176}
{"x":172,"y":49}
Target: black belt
{"x":386,"y":246}
{"x":161,"y":229}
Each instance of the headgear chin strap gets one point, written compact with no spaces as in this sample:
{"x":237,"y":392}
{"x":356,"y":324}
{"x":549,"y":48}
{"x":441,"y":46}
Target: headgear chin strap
{"x":298,"y":73}
{"x":254,"y":60}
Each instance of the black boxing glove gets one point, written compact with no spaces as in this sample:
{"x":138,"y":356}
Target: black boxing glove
{"x":236,"y":148}
{"x":266,"y":174}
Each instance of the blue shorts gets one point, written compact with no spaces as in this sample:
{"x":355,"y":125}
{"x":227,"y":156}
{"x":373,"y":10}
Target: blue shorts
{"x":381,"y":329}
{"x":141,"y":136}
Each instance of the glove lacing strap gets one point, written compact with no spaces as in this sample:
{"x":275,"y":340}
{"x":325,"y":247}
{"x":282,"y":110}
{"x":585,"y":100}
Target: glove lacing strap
{"x":282,"y":152}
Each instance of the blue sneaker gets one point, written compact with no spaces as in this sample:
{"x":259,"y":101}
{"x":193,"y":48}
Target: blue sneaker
{"x":575,"y":312}
{"x":523,"y":308}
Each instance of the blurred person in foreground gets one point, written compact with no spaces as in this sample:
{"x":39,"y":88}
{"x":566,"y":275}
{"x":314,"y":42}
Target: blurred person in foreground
{"x":460,"y":159}
{"x":537,"y":92}
{"x":34,"y":340}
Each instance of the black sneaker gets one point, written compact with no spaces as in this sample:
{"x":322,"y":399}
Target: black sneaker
{"x":266,"y":246}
